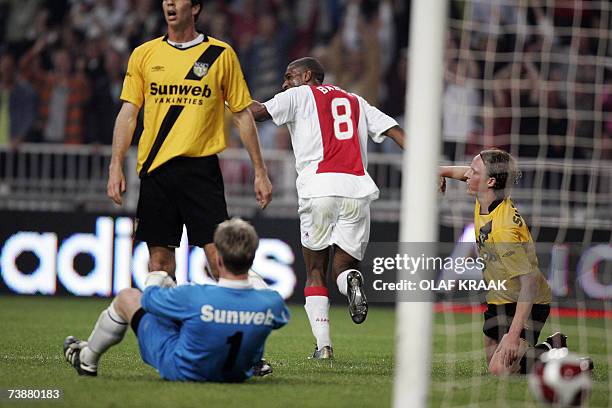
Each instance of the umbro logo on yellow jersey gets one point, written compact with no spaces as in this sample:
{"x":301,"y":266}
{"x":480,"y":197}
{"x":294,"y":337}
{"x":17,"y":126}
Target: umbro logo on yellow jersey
{"x":158,"y":68}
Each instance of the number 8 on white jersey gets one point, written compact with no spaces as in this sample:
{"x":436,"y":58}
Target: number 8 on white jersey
{"x":342,"y":119}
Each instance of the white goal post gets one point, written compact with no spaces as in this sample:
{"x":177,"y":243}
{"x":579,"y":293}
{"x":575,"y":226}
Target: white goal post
{"x":419,"y":210}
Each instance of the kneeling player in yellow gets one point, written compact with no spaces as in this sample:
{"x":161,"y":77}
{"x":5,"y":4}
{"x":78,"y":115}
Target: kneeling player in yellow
{"x":515,"y":316}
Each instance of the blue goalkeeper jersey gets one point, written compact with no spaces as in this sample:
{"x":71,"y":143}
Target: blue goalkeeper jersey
{"x":222,"y":328}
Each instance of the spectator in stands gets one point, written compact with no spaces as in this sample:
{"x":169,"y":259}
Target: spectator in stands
{"x":315,"y":23}
{"x":265,"y":59}
{"x":142,"y":23}
{"x":95,"y":48}
{"x":357,"y":69}
{"x":361,"y":37}
{"x":23,"y":13}
{"x":219,"y":26}
{"x":104,"y":103}
{"x":17,"y":104}
{"x":363,"y":42}
{"x":244,"y":18}
{"x":461,"y":101}
{"x":496,"y":24}
{"x":556,"y":120}
{"x":526,"y":93}
{"x":396,"y":82}
{"x":62,"y":92}
{"x":323,"y":53}
{"x":496,"y":120}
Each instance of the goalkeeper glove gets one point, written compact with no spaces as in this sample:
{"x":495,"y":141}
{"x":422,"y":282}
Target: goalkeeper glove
{"x":159,"y":278}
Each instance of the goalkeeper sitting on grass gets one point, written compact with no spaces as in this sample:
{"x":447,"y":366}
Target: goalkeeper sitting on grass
{"x":514,"y":317}
{"x":193,"y":332}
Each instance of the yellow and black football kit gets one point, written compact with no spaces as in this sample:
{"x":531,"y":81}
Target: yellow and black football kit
{"x":184,"y":92}
{"x":505,"y":244}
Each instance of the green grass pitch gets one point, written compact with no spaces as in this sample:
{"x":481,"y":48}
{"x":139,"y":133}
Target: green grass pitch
{"x":33,"y":329}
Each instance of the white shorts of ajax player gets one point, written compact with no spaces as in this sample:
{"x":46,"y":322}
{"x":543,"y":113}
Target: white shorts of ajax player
{"x":343,"y":221}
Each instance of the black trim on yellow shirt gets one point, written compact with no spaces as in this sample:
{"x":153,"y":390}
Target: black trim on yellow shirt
{"x":494,"y":205}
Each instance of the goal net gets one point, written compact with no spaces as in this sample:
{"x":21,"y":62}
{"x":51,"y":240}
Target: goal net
{"x":533,"y":78}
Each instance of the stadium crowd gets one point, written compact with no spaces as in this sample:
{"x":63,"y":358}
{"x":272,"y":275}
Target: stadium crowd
{"x":515,"y":77}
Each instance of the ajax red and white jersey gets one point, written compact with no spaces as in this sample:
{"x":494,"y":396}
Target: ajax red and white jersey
{"x":329,"y":132}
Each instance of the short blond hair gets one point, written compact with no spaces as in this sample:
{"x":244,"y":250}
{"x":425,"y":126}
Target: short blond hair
{"x":236,"y":242}
{"x":502,"y":167}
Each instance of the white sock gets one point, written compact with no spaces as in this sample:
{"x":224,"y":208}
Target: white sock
{"x":342,"y":283}
{"x":109,"y":330}
{"x":317,"y":309}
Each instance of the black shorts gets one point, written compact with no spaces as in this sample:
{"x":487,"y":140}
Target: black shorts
{"x":498,"y":318}
{"x":184,"y":191}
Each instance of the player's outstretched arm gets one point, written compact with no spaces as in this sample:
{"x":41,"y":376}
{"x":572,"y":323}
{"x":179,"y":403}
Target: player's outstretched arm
{"x":454,"y":172}
{"x":248,"y":134}
{"x":397,"y":134}
{"x":122,"y":138}
{"x":259,"y":111}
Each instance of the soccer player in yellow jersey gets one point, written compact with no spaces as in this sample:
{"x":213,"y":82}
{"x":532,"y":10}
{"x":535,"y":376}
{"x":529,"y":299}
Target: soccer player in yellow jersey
{"x":184,"y":81}
{"x":515,"y":316}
